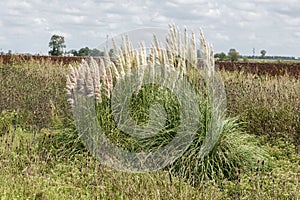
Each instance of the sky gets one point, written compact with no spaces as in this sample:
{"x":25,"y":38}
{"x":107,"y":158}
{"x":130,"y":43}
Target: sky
{"x":272,"y":25}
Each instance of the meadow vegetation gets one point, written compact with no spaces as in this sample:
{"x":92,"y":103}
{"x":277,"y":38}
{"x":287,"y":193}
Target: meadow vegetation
{"x":42,"y":156}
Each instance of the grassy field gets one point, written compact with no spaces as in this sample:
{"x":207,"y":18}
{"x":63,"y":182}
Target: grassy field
{"x":41,"y":156}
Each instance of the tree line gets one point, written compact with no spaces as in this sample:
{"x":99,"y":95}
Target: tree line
{"x":57,"y":46}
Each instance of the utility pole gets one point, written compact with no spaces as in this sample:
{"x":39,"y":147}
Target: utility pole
{"x":106,"y":42}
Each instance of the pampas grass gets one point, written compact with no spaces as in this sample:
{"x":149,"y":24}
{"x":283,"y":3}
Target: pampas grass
{"x":219,"y":146}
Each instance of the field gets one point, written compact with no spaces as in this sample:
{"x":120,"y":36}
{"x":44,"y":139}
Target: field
{"x":41,"y":156}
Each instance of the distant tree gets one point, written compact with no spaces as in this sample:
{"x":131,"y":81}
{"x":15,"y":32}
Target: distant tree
{"x":233,"y":55}
{"x":263,"y":53}
{"x":57,"y":44}
{"x":221,"y":56}
{"x":84,"y":51}
{"x":9,"y":52}
{"x":73,"y":52}
{"x":111,"y":53}
{"x":245,"y":59}
{"x":96,"y":52}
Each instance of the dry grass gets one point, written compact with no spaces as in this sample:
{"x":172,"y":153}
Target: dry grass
{"x":35,"y":89}
{"x":51,"y":163}
{"x":270,"y":105}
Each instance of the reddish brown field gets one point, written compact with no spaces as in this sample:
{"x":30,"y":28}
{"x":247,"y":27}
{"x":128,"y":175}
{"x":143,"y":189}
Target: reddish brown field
{"x":7,"y":59}
{"x":275,"y":69}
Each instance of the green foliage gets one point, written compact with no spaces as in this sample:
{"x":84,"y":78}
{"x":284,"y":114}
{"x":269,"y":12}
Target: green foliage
{"x":221,"y":56}
{"x":86,"y":52}
{"x":235,"y":150}
{"x":73,"y":52}
{"x":233,"y":55}
{"x":263,"y":53}
{"x":57,"y":44}
{"x":269,"y":105}
{"x":245,"y":59}
{"x":96,"y":52}
{"x":53,"y":166}
{"x":139,"y":111}
{"x":8,"y":121}
{"x":52,"y":163}
{"x":36,"y":90}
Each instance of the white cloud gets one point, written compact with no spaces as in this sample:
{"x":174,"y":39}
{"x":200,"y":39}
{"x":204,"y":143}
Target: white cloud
{"x":73,"y":19}
{"x":2,"y":39}
{"x":244,"y":24}
{"x":59,"y":32}
{"x":187,"y":1}
{"x":40,"y":21}
{"x":297,"y":34}
{"x":222,"y":37}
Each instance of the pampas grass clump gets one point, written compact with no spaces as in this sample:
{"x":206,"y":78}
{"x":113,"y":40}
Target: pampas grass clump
{"x":230,"y":148}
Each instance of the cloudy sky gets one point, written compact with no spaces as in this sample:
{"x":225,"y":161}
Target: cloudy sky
{"x":273,"y":25}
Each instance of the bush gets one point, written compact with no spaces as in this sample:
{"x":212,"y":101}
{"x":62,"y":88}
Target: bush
{"x":234,"y":151}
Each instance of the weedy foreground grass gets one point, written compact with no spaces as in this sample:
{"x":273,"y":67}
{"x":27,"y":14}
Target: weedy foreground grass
{"x":41,"y":156}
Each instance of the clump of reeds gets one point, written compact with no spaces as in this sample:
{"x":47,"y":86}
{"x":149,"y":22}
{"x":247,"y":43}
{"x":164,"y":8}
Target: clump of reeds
{"x":219,"y":145}
{"x":104,"y":72}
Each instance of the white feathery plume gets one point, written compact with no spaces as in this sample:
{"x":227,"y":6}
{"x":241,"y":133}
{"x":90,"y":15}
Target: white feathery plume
{"x":140,"y":69}
{"x":72,"y":78}
{"x":153,"y":61}
{"x":69,"y":92}
{"x":106,"y":57}
{"x":137,"y":58}
{"x":143,"y":54}
{"x":185,"y":51}
{"x":115,"y":71}
{"x":116,"y":48}
{"x":193,"y":50}
{"x":173,"y":38}
{"x":164,"y":58}
{"x":125,"y":54}
{"x":119,"y":61}
{"x":109,"y":82}
{"x":207,"y":55}
{"x":157,"y":45}
{"x":151,"y":54}
{"x":178,"y":40}
{"x":171,"y":54}
{"x":130,"y":52}
{"x":96,"y":77}
{"x":110,"y":64}
{"x":73,"y":75}
{"x":103,"y":76}
{"x":89,"y":82}
{"x":80,"y":86}
{"x":203,"y":49}
{"x":212,"y":60}
{"x":179,"y":54}
{"x":170,"y":50}
{"x":70,"y":85}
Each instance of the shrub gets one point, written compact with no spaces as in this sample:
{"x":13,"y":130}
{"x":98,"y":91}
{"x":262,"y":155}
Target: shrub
{"x":219,"y":146}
